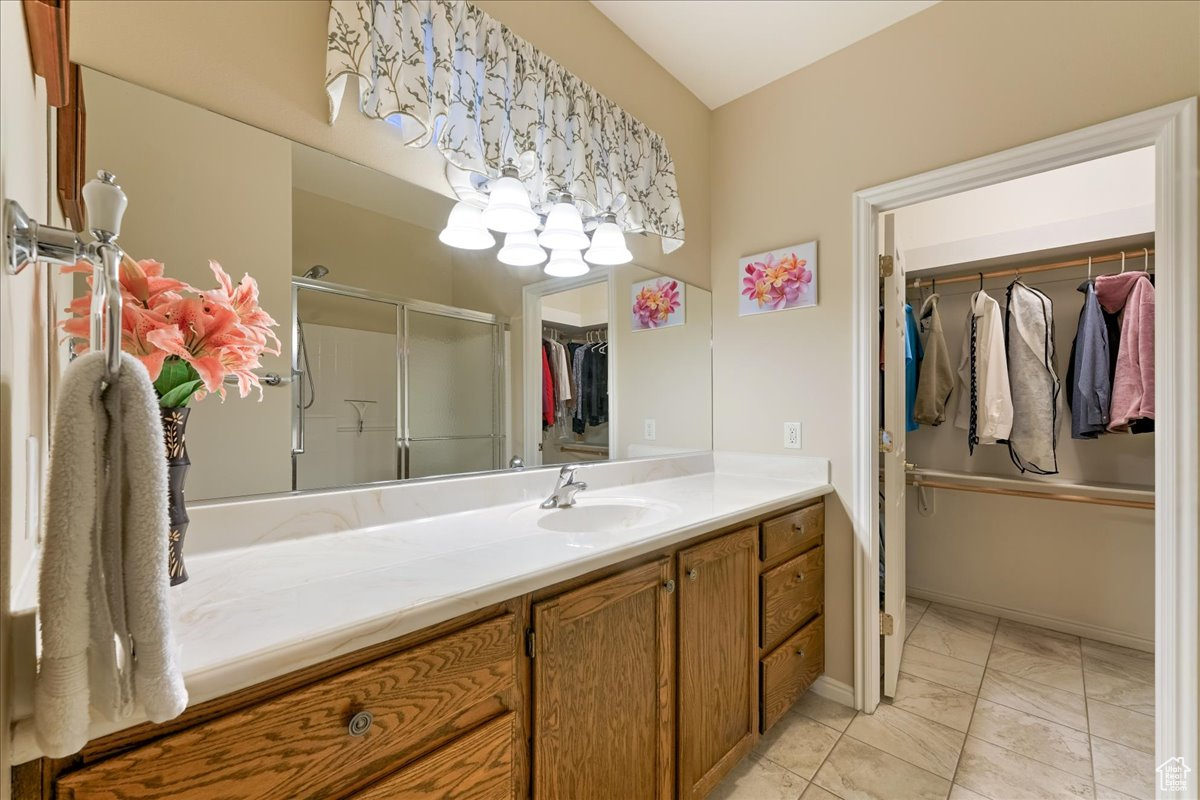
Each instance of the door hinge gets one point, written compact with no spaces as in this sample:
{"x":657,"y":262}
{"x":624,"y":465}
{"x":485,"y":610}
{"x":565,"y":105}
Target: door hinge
{"x":886,"y":265}
{"x":530,"y":644}
{"x":885,"y":441}
{"x":887,"y":624}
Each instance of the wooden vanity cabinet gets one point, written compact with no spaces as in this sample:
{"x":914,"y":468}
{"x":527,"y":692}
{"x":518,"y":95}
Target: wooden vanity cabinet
{"x":718,"y":655}
{"x":604,"y":688}
{"x":792,"y":608}
{"x":451,"y":699}
{"x":651,"y":679}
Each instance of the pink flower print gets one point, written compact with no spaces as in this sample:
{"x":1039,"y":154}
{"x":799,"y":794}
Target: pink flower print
{"x":654,"y":305}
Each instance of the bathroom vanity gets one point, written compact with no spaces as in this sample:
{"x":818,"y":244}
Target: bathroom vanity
{"x":642,"y":660}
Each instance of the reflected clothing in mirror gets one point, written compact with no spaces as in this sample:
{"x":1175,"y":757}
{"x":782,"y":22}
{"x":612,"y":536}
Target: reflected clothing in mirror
{"x":590,"y":367}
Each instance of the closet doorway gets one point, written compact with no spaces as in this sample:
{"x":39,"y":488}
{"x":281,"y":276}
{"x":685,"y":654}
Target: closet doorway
{"x":1123,"y":487}
{"x":567,"y":414}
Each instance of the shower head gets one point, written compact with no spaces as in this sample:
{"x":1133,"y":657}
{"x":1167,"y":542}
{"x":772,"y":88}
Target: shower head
{"x":317,"y":271}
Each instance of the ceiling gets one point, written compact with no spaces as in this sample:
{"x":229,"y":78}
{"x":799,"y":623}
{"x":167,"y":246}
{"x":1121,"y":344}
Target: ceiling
{"x":723,"y":49}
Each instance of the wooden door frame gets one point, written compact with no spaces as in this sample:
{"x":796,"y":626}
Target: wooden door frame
{"x":1171,"y":129}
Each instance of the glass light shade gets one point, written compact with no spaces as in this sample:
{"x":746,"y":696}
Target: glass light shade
{"x":464,"y":229}
{"x":521,"y":250}
{"x":508,"y":209}
{"x":564,"y":229}
{"x":608,"y":246}
{"x":566,"y":264}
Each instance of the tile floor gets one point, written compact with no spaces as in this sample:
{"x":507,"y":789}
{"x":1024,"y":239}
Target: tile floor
{"x":985,"y":709}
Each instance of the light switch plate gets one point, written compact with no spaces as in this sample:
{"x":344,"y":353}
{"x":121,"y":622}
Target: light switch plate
{"x":650,"y":432}
{"x":792,"y":438}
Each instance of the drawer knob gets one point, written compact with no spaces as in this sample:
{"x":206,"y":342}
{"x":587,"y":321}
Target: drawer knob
{"x":800,"y":576}
{"x":669,"y":586}
{"x":360,"y":723}
{"x":798,"y":527}
{"x":693,"y":574}
{"x":800,"y":652}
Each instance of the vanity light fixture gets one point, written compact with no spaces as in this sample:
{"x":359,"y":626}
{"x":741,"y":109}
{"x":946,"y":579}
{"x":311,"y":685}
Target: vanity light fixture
{"x":465,"y":229}
{"x":565,"y":264}
{"x":521,"y":249}
{"x":564,"y":227}
{"x":508,"y":209}
{"x":608,"y":244}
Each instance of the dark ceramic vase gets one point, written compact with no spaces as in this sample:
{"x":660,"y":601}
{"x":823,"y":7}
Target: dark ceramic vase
{"x":174,"y":422}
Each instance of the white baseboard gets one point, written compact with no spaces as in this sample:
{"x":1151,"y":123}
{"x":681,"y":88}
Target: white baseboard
{"x":1061,"y":624}
{"x":836,"y":691}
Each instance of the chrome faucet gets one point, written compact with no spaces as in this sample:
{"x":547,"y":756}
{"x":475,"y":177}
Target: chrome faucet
{"x":565,"y":490}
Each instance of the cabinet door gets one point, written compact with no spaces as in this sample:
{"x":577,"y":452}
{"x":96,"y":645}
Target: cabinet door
{"x":603,"y":678}
{"x":718,"y":693}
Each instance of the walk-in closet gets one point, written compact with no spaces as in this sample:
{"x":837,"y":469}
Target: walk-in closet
{"x":1021,"y":319}
{"x":575,"y":375}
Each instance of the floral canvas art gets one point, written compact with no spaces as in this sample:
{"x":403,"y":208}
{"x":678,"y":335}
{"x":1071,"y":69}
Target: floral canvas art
{"x":657,"y":303}
{"x":778,"y":279}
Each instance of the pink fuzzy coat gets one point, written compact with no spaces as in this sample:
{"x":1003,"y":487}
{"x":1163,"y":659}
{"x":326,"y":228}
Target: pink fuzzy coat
{"x":1133,"y":382}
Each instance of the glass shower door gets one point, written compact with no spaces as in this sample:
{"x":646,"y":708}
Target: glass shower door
{"x":452,"y":394}
{"x":344,"y":394}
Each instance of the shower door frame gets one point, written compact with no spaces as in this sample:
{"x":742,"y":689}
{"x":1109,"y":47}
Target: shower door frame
{"x":404,"y":436}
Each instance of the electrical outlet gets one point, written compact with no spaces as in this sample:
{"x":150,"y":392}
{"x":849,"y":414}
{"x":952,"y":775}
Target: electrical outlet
{"x":792,"y":438}
{"x":650,"y":431}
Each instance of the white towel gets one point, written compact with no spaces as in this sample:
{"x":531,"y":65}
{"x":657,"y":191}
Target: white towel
{"x":105,"y":617}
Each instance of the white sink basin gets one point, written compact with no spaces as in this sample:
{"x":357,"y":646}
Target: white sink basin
{"x":597,"y":515}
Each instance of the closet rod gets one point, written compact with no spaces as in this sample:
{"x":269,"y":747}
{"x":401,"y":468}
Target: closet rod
{"x":1017,"y":271}
{"x":916,"y":480}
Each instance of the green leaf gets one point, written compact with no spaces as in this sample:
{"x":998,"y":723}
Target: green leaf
{"x":175,"y":371}
{"x":180,"y":395}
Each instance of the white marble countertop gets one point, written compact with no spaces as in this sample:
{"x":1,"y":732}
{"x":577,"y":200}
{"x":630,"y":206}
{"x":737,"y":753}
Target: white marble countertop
{"x":252,"y":613}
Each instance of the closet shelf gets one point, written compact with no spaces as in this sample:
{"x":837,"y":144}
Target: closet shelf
{"x":1095,"y":494}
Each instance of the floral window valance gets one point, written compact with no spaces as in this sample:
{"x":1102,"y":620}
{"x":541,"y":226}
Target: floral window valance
{"x":447,"y":73}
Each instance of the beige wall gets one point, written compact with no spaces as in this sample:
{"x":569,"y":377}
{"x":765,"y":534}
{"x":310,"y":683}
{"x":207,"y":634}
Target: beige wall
{"x":263,"y":62}
{"x":956,"y":81}
{"x":369,"y":250}
{"x":202,"y":187}
{"x":25,"y":176}
{"x":663,"y":374}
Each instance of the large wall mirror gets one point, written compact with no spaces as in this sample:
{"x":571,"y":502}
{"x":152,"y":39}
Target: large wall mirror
{"x":401,"y":358}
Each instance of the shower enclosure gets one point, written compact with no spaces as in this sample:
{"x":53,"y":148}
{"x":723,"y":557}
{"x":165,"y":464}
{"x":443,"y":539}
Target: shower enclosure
{"x":388,"y":388}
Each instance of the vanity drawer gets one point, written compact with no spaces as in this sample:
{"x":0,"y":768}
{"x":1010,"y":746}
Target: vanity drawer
{"x":477,"y":766}
{"x":790,"y":669}
{"x":299,"y":745}
{"x":791,"y":593}
{"x":793,"y":532}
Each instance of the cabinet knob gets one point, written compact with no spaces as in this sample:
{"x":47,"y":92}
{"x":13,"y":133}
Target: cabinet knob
{"x":800,"y":576}
{"x":800,"y":652}
{"x":798,"y":527}
{"x":669,"y":586}
{"x":693,"y":574}
{"x":360,"y":723}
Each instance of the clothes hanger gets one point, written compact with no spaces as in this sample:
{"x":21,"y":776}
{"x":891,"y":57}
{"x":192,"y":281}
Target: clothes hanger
{"x":1083,"y":286}
{"x":1146,"y":260}
{"x":1122,"y":262}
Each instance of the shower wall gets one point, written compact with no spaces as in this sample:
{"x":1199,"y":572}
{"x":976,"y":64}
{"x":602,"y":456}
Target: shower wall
{"x":354,"y":371}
